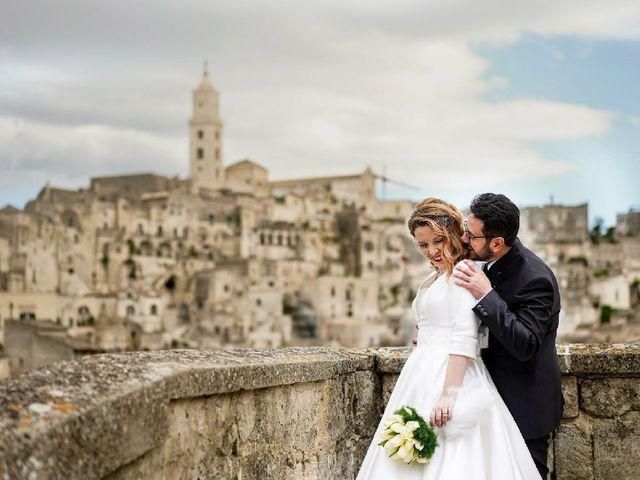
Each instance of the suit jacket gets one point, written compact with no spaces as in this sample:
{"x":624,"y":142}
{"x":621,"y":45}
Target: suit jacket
{"x":522,"y":313}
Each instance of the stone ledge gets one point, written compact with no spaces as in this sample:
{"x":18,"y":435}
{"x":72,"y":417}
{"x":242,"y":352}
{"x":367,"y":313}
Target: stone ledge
{"x":574,"y":359}
{"x":89,"y":416}
{"x":601,"y":359}
{"x":391,"y":359}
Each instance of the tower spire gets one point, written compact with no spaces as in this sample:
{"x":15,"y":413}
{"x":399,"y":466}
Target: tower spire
{"x":205,"y":126}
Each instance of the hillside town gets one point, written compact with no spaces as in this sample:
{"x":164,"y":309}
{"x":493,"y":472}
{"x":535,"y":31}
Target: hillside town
{"x":230,"y":258}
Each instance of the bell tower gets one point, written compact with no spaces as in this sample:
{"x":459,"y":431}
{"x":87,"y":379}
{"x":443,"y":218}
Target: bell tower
{"x":205,"y":145}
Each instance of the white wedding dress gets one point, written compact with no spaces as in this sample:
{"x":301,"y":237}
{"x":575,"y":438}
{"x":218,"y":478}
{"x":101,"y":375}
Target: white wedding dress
{"x":482,"y":441}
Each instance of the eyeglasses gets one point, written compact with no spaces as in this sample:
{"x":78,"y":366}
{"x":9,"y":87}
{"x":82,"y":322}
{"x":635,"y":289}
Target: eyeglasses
{"x":469,"y":235}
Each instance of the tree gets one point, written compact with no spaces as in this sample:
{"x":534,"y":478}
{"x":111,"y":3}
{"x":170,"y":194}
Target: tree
{"x":596,"y":231}
{"x":610,"y":235}
{"x":605,"y":314}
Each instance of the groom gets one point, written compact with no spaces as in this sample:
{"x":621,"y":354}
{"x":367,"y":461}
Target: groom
{"x":519,"y":304}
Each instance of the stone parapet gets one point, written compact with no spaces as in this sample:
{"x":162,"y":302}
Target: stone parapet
{"x":303,"y":413}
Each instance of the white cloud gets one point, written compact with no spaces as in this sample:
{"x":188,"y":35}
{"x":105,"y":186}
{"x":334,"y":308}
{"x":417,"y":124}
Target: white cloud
{"x":307,"y":88}
{"x":84,"y":151}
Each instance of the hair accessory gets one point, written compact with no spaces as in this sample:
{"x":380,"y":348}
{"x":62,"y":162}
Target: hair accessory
{"x":444,"y":220}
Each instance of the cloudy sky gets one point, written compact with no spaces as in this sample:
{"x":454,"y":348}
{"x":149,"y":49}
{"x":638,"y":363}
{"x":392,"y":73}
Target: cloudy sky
{"x":532,"y":98}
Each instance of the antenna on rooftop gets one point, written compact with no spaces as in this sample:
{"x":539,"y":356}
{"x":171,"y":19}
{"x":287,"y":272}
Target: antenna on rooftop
{"x":386,"y":179}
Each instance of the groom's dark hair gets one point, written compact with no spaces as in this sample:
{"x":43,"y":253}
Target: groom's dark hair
{"x":500,"y":216}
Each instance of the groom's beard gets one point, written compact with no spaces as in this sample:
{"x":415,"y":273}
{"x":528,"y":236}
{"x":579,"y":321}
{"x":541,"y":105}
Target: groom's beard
{"x":484,"y":254}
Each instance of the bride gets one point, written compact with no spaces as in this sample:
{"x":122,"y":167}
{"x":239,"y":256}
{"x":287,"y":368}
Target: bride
{"x":444,"y":378}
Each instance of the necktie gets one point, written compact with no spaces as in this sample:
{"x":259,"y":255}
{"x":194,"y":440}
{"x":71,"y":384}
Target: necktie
{"x":485,"y":269}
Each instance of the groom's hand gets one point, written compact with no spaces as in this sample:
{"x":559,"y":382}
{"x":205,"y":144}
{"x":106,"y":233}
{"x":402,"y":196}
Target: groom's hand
{"x":469,"y":276}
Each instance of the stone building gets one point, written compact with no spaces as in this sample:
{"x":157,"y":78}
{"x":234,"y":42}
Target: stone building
{"x":596,"y":275}
{"x":357,"y":190}
{"x":248,"y":177}
{"x":32,"y":344}
{"x":554,"y":224}
{"x":225,"y":257}
{"x":205,"y":139}
{"x":348,"y":310}
{"x":628,"y":224}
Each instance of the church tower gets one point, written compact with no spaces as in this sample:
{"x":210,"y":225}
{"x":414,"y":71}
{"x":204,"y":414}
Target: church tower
{"x":205,"y":146}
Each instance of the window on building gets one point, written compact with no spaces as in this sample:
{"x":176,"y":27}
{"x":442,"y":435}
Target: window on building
{"x":200,"y":134}
{"x":200,"y":153}
{"x":217,"y":135}
{"x":258,"y":302}
{"x":154,"y":309}
{"x":217,"y":154}
{"x":212,"y":218}
{"x":183,"y":313}
{"x":130,"y":310}
{"x":333,"y":291}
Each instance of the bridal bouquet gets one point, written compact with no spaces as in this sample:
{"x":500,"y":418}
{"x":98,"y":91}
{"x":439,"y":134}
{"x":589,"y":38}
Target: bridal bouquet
{"x":407,"y":437}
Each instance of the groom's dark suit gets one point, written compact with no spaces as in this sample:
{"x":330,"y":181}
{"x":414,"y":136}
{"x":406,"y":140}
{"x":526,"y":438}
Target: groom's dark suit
{"x":521,"y":313}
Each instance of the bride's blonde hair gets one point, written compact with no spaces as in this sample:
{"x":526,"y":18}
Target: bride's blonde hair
{"x":444,"y":219}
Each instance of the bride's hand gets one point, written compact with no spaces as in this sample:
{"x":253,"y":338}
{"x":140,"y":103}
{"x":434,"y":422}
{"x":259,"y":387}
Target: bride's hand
{"x":443,"y":411}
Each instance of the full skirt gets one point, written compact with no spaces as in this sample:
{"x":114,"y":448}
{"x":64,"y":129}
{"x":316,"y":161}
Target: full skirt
{"x":481,"y":442}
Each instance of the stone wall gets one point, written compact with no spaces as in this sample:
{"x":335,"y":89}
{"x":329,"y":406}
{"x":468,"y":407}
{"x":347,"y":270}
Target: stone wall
{"x":303,"y":413}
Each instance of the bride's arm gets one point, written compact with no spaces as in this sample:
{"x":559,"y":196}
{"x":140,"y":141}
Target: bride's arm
{"x":462,"y":349}
{"x":456,"y":366}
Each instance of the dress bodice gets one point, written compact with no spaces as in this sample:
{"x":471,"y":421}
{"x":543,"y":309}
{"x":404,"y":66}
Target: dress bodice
{"x":443,"y":312}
